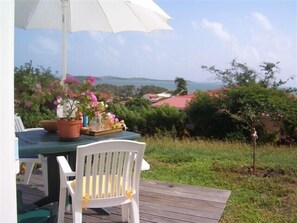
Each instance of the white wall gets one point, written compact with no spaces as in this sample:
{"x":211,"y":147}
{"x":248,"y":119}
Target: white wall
{"x":8,"y":212}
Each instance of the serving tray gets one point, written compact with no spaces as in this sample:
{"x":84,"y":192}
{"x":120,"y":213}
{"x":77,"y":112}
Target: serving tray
{"x":87,"y":131}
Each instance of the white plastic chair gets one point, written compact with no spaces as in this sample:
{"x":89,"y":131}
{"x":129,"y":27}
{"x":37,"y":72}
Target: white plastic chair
{"x":107,"y":174}
{"x":31,"y":160}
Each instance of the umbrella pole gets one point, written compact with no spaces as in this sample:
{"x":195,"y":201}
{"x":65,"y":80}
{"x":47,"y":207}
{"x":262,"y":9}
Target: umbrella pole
{"x":64,"y":39}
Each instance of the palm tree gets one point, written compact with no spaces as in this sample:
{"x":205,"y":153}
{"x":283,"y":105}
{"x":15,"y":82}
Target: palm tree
{"x":181,"y":86}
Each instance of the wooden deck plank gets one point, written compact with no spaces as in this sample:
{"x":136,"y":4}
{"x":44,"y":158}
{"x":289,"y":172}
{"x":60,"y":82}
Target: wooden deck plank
{"x":185,"y":191}
{"x":160,"y":202}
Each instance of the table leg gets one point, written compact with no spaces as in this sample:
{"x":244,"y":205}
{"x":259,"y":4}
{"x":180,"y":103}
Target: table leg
{"x":53,"y":181}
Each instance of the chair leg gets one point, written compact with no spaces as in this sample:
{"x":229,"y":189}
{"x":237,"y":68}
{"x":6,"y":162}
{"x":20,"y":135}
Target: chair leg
{"x":76,"y":212}
{"x":28,"y":172}
{"x":62,"y":203}
{"x":134,"y":212}
{"x":125,"y":212}
{"x":44,"y":173}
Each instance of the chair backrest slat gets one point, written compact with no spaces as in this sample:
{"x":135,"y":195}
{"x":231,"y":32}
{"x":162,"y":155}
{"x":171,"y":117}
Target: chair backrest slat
{"x":94,"y":173}
{"x":119,"y":171}
{"x":101,"y":168}
{"x":107,"y":174}
{"x":113,"y":172}
{"x":88,"y":173}
{"x":18,"y":124}
{"x":124,"y":173}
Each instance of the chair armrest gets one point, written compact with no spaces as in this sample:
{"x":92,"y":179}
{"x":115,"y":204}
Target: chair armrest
{"x":145,"y":165}
{"x":64,"y":165}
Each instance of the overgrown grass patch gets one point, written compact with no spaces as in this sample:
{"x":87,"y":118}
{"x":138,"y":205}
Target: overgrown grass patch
{"x":268,"y":196}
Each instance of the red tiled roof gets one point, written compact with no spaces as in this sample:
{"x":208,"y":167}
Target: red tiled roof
{"x":217,"y":92}
{"x":151,"y":95}
{"x":104,"y":95}
{"x":180,"y":102}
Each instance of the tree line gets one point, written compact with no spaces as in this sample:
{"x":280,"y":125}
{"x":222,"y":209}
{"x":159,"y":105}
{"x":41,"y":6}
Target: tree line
{"x":231,"y":113}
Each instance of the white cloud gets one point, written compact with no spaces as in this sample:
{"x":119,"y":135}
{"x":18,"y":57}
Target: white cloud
{"x":107,"y":57}
{"x":45,"y":45}
{"x":217,"y":29}
{"x":194,"y":25}
{"x":113,"y":52}
{"x":97,"y":36}
{"x":121,"y":41}
{"x":147,"y":48}
{"x":262,"y":21}
{"x":160,"y":35}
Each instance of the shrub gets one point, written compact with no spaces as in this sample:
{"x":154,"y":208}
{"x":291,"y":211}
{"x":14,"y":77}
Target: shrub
{"x":30,"y":108}
{"x":151,"y":121}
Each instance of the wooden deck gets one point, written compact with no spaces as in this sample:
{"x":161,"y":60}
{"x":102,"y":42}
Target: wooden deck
{"x":160,"y":202}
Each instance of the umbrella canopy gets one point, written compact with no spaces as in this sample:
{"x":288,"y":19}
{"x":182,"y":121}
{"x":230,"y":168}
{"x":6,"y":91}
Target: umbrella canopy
{"x":89,"y":15}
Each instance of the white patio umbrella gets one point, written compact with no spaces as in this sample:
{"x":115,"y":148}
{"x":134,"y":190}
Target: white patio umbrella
{"x":89,"y":15}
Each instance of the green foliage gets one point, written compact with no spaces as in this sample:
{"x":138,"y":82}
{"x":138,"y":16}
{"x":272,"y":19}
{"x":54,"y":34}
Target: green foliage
{"x":137,"y":103}
{"x":150,"y":89}
{"x":236,"y":111}
{"x":164,"y":120}
{"x":108,"y":88}
{"x":204,"y":113}
{"x":250,"y":98}
{"x":247,"y":104}
{"x":181,"y":86}
{"x":239,"y":74}
{"x":127,"y":91}
{"x":30,"y":108}
{"x":251,"y":95}
{"x":134,"y":119}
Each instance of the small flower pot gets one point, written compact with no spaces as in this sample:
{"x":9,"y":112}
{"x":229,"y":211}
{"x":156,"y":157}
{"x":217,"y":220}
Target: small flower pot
{"x":68,"y":130}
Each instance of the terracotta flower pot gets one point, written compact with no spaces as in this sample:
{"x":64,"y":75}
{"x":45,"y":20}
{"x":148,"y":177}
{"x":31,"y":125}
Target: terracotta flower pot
{"x":69,"y":129}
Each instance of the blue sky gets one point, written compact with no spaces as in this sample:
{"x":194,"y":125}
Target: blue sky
{"x":209,"y":32}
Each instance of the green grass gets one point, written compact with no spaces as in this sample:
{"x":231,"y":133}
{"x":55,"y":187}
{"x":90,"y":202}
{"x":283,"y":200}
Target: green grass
{"x":268,"y":196}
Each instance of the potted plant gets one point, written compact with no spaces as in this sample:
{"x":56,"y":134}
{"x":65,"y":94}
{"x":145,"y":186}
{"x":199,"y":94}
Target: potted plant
{"x":74,"y":99}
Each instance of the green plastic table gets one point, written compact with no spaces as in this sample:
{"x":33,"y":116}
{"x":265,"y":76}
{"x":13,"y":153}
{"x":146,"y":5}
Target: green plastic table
{"x":49,"y":145}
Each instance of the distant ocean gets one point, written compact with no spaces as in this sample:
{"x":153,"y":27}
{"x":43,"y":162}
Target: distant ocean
{"x":168,"y":84}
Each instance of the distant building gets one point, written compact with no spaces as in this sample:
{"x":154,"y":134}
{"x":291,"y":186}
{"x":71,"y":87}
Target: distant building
{"x":156,"y":97}
{"x":164,"y":95}
{"x":179,"y":102}
{"x":217,"y":92}
{"x":105,"y":96}
{"x":151,"y":97}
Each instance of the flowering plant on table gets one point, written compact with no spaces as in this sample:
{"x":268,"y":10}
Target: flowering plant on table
{"x":77,"y":98}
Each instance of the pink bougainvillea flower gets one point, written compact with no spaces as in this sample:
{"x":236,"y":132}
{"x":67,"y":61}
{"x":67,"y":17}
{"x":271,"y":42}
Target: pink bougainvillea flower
{"x":28,"y":104}
{"x":92,"y":80}
{"x":93,"y":97}
{"x":58,"y":100}
{"x":71,"y":80}
{"x":38,"y":86}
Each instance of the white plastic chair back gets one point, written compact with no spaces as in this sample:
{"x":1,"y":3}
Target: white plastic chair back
{"x":107,"y":174}
{"x":113,"y":165}
{"x":18,"y":124}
